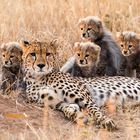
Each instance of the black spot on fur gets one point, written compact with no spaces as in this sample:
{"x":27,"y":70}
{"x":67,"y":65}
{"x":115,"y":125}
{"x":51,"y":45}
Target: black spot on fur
{"x":76,"y":100}
{"x":101,"y":91}
{"x":63,"y":92}
{"x":65,"y":99}
{"x":135,"y":91}
{"x":61,"y":81}
{"x":117,"y":93}
{"x":117,"y":85}
{"x":72,"y":95}
{"x":114,"y":88}
{"x":60,"y":87}
{"x":66,"y":93}
{"x":42,"y":96}
{"x":124,"y":91}
{"x":50,"y":98}
{"x":128,"y":86}
{"x":101,"y":96}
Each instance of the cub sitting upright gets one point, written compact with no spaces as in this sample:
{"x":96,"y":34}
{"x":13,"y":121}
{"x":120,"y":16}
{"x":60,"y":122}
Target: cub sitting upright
{"x":11,"y":68}
{"x":130,"y":47}
{"x":87,"y":56}
{"x":92,"y":29}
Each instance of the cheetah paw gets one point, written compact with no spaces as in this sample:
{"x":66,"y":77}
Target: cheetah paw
{"x":109,"y":125}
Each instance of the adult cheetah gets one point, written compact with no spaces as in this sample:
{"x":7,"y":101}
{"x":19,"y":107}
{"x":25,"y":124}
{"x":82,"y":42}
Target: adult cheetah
{"x":38,"y":63}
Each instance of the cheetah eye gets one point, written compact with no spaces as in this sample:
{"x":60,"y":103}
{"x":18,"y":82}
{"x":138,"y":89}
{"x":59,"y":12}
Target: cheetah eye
{"x":122,"y":45}
{"x":78,"y":54}
{"x":86,"y":55}
{"x":11,"y":56}
{"x":130,"y":46}
{"x":32,"y":54}
{"x":47,"y":54}
{"x":3,"y":55}
{"x":81,"y":28}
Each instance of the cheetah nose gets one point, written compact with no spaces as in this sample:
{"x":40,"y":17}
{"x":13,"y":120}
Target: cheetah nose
{"x":41,"y":66}
{"x":81,"y":61}
{"x":84,"y":34}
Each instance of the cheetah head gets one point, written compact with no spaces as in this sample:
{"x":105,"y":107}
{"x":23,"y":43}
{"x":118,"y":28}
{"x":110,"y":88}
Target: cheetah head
{"x":87,"y":54}
{"x":11,"y":54}
{"x":129,"y":42}
{"x":91,"y":28}
{"x":38,"y":57}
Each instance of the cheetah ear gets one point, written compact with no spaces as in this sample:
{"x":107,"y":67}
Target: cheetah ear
{"x":24,"y":44}
{"x":54,"y":45}
{"x":76,"y":44}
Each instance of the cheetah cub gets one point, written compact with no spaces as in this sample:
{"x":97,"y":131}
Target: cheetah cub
{"x":92,"y":29}
{"x":11,"y":66}
{"x":87,"y":56}
{"x":130,"y":48}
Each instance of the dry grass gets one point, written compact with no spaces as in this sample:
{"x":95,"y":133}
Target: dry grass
{"x":45,"y":19}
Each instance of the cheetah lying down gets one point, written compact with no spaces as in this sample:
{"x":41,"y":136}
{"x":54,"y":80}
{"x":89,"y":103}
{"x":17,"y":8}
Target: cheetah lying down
{"x":69,"y":94}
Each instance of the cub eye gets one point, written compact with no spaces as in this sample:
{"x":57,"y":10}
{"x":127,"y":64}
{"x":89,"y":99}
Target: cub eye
{"x":11,"y":56}
{"x":130,"y":46}
{"x":81,"y":28}
{"x":121,"y":45}
{"x":3,"y":55}
{"x":47,"y":54}
{"x":78,"y":54}
{"x":88,"y":29}
{"x":86,"y":55}
{"x":32,"y":54}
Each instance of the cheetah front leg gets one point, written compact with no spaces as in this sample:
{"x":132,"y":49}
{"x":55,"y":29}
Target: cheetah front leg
{"x":104,"y":121}
{"x":71,"y":111}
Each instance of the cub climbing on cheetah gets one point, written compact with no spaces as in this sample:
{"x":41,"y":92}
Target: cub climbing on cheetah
{"x":39,"y":63}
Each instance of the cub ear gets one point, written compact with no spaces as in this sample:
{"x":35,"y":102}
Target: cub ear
{"x":81,"y":20}
{"x":94,"y":48}
{"x":119,"y":35}
{"x":99,"y":24}
{"x":138,"y":38}
{"x":76,"y":46}
{"x":3,"y":46}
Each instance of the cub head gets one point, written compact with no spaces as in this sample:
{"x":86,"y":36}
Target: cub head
{"x":129,"y":42}
{"x":91,"y":28}
{"x":11,"y":54}
{"x":87,"y":54}
{"x":38,"y":57}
